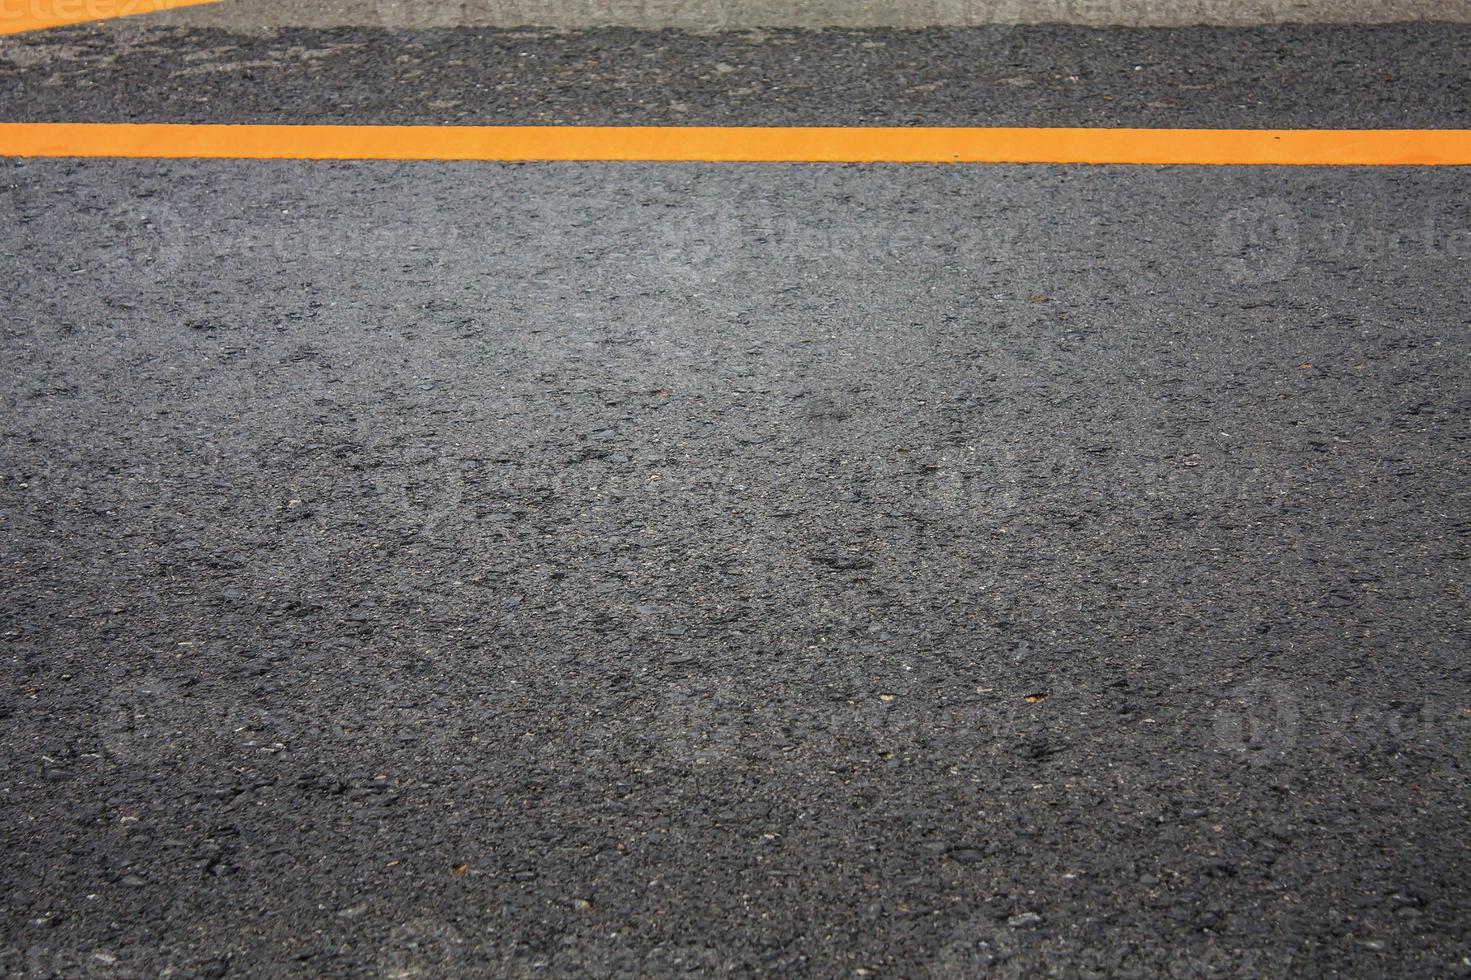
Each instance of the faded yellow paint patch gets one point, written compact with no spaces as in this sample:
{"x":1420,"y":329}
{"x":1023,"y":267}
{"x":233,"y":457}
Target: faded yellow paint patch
{"x":19,"y":16}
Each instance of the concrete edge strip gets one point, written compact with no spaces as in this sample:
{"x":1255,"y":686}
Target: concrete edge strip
{"x":707,"y":16}
{"x":734,"y":144}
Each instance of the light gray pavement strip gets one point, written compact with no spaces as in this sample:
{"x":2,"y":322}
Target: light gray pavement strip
{"x":612,"y":570}
{"x":742,"y":14}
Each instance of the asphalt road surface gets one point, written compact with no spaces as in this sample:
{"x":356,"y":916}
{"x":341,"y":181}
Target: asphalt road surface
{"x":616,"y":569}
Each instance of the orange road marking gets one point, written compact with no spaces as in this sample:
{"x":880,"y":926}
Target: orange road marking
{"x":1313,"y":147}
{"x":17,"y":16}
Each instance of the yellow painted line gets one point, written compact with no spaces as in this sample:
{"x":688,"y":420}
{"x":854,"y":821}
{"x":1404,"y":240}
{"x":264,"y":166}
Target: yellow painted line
{"x":1316,"y":147}
{"x":18,"y":16}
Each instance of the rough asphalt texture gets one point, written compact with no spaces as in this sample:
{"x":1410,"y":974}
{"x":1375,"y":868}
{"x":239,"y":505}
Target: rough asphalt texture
{"x":1395,"y":76}
{"x":555,"y":570}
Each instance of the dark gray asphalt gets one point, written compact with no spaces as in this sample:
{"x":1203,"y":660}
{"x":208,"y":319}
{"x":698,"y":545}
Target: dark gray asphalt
{"x":612,"y":570}
{"x":1387,"y":76}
